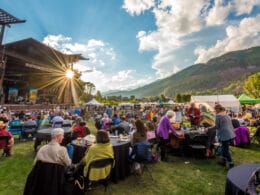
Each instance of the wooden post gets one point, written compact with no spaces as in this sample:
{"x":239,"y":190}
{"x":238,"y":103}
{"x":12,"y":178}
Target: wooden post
{"x":2,"y":65}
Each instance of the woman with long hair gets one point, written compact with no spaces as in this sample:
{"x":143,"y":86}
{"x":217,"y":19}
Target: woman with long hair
{"x":140,"y":133}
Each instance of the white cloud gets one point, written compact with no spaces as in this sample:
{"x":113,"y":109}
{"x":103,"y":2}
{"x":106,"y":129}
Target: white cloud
{"x":177,"y":19}
{"x":98,"y":51}
{"x":242,"y":36}
{"x":102,"y":59}
{"x":55,"y":40}
{"x":218,"y":13}
{"x":121,"y":80}
{"x":92,"y":43}
{"x":123,"y":75}
{"x":136,"y":7}
{"x":174,"y":20}
{"x":245,"y":6}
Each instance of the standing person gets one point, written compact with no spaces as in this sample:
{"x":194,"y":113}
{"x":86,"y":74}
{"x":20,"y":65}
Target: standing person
{"x":225,"y":134}
{"x":194,"y":115}
{"x":163,"y":131}
{"x":109,"y":111}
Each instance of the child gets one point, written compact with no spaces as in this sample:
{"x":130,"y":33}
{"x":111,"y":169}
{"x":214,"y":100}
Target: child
{"x":150,"y":130}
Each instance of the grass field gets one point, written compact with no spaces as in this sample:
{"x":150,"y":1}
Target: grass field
{"x":179,"y":176}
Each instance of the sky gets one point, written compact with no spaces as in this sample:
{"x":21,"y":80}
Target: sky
{"x":131,"y":43}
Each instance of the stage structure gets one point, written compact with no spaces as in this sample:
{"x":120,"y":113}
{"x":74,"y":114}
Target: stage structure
{"x":37,"y":72}
{"x":6,"y":20}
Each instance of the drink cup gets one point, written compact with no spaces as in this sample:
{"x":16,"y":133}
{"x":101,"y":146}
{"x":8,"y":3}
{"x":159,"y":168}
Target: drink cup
{"x":78,"y":141}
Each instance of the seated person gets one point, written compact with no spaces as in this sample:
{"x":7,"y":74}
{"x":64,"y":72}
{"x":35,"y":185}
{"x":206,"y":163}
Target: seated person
{"x":16,"y":121}
{"x":43,"y":121}
{"x":57,"y":119}
{"x":139,"y":144}
{"x":30,"y":122}
{"x":140,"y":134}
{"x":150,"y":130}
{"x":7,"y":147}
{"x":47,"y":175}
{"x":124,"y":125}
{"x":115,"y":119}
{"x":67,"y":122}
{"x":100,"y":150}
{"x":242,"y":134}
{"x":3,"y":117}
{"x":80,"y":130}
{"x":53,"y":152}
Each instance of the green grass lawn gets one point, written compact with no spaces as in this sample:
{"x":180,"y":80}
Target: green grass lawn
{"x":180,"y":175}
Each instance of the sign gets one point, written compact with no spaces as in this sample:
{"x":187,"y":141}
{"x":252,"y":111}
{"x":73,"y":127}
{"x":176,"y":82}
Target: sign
{"x":32,"y":95}
{"x":12,"y":94}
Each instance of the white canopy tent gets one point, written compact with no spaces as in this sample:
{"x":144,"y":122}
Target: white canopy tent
{"x":230,"y":102}
{"x":126,"y":104}
{"x":171,"y":102}
{"x":93,"y":102}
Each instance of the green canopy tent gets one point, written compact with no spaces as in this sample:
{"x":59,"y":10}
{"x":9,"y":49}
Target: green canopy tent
{"x":245,"y":99}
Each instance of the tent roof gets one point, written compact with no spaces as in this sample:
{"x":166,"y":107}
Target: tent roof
{"x":94,"y":103}
{"x":126,"y":104}
{"x":245,"y":99}
{"x":170,"y":102}
{"x":215,"y":98}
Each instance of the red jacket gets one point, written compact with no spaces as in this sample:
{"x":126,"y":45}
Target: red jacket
{"x":80,"y":131}
{"x":4,"y":132}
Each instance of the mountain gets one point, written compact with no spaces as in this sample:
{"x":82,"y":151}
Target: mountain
{"x":221,"y":75}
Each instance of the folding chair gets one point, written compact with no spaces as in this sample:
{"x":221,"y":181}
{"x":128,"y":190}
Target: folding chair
{"x":45,"y":178}
{"x":16,"y":129}
{"x":57,"y":124}
{"x":256,"y":136}
{"x":99,"y":165}
{"x":142,"y":154}
{"x":66,"y":124}
{"x":198,"y":145}
{"x":29,"y":129}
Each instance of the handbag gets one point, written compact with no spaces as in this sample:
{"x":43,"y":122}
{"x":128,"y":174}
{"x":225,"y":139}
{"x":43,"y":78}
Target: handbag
{"x":218,"y":151}
{"x":74,"y":181}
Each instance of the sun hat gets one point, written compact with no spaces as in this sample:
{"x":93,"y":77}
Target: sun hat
{"x":2,"y":124}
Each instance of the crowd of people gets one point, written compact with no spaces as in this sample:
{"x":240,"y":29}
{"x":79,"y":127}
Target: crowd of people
{"x":141,"y":125}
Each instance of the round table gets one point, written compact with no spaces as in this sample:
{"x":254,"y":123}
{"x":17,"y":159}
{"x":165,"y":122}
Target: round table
{"x":45,"y":135}
{"x":238,"y":179}
{"x":121,"y":155}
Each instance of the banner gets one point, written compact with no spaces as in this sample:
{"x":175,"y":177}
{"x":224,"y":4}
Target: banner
{"x":32,"y":95}
{"x":12,"y":94}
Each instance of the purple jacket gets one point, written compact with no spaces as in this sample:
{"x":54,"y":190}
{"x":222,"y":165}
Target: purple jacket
{"x":242,"y":136}
{"x":164,"y":127}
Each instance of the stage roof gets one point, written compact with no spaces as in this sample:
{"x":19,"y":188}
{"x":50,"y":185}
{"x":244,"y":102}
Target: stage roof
{"x":29,"y":56}
{"x":6,"y":18}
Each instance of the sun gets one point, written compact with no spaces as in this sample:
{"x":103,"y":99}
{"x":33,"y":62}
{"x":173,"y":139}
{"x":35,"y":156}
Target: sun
{"x":69,"y":74}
